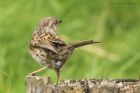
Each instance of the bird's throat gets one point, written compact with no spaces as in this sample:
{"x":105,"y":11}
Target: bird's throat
{"x":50,"y":31}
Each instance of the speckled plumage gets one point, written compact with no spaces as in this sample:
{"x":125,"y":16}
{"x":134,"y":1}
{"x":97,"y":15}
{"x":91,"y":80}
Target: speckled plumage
{"x":48,"y":49}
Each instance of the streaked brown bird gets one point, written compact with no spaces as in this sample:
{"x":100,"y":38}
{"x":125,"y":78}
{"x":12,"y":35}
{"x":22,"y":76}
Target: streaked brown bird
{"x":48,"y":49}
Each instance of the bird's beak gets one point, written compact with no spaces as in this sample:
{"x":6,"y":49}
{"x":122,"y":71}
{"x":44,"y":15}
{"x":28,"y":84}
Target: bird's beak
{"x":59,"y":21}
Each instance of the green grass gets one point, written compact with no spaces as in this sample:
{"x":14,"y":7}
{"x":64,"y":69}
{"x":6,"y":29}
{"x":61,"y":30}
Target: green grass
{"x":115,"y":23}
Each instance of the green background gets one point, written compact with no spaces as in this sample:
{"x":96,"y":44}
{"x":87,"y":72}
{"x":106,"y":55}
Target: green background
{"x":116,"y":23}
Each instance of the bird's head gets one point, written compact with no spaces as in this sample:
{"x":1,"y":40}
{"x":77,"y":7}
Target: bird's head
{"x":48,"y":24}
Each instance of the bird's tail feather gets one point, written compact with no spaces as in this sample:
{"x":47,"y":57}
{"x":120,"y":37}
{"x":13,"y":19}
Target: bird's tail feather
{"x":82,"y":43}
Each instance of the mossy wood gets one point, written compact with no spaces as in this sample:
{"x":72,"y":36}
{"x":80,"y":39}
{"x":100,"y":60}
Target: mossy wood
{"x":35,"y":84}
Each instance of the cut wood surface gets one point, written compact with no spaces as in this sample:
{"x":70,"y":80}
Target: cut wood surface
{"x":36,"y":84}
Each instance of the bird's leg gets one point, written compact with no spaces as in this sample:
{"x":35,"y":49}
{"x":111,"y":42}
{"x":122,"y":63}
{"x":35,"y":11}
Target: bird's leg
{"x":58,"y":75}
{"x":36,"y":71}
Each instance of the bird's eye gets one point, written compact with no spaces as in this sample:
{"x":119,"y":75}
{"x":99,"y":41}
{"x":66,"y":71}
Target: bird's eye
{"x":54,"y":22}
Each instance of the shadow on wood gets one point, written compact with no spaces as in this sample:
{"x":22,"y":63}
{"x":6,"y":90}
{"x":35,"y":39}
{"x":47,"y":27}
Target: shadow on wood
{"x":35,"y":84}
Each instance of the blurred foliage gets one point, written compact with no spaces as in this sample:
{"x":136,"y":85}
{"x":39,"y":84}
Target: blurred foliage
{"x":116,"y":23}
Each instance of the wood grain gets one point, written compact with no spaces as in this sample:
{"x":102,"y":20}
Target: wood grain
{"x":35,"y":84}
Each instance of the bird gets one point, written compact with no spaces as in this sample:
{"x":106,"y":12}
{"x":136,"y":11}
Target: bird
{"x":48,"y":49}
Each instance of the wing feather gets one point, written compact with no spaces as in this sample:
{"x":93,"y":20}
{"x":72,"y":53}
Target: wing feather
{"x":49,"y":42}
{"x":46,"y":45}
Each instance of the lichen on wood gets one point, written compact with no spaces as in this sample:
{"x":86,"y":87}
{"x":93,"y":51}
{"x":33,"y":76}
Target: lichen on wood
{"x":36,"y":84}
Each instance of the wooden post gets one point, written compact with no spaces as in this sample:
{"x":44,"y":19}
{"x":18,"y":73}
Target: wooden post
{"x":35,"y":84}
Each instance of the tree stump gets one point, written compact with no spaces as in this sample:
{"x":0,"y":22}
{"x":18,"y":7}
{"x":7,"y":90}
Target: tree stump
{"x":36,"y":84}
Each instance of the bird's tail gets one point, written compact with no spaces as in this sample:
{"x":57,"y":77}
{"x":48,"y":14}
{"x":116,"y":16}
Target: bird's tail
{"x":83,"y":43}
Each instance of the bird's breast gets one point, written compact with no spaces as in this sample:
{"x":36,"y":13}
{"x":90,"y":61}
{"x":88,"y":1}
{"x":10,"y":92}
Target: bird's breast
{"x":39,"y":55}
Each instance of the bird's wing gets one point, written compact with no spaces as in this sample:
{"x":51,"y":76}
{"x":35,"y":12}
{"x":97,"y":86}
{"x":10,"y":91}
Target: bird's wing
{"x":49,"y":41}
{"x":46,"y":45}
{"x":43,"y":40}
{"x":58,"y":41}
